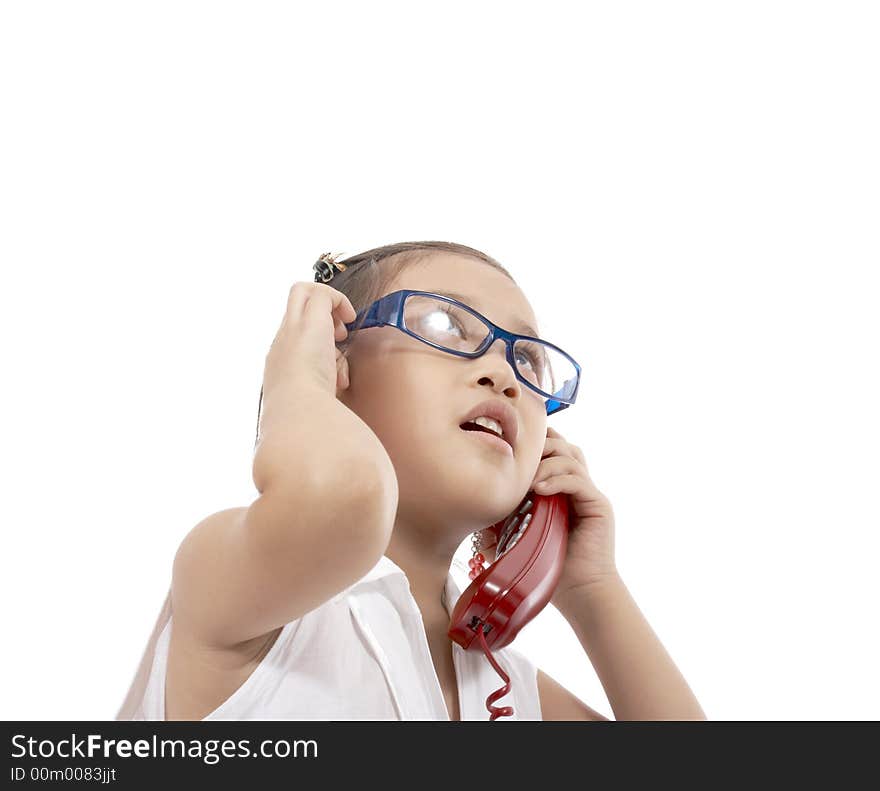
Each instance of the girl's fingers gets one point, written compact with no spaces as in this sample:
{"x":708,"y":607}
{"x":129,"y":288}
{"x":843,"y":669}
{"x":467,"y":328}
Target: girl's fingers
{"x":556,"y":446}
{"x":558,"y":465}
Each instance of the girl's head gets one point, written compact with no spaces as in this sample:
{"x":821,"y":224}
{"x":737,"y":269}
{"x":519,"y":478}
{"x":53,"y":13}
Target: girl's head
{"x":415,"y":397}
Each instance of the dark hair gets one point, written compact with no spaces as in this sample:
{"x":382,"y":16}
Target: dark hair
{"x":363,"y":280}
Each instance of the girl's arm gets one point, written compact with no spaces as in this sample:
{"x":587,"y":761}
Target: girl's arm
{"x":327,"y":493}
{"x":242,"y":572}
{"x":639,"y":677}
{"x":637,"y":674}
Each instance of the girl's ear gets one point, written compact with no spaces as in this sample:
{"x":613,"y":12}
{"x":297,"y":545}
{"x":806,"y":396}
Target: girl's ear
{"x":342,"y":380}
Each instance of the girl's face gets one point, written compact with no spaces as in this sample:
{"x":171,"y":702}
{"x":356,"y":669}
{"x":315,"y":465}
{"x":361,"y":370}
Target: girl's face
{"x":415,"y":397}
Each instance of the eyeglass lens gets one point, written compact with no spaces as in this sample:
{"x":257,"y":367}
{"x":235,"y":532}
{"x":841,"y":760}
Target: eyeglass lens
{"x":459,"y":330}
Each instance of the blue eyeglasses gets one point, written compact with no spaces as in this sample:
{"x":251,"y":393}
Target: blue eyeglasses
{"x":456,"y":328}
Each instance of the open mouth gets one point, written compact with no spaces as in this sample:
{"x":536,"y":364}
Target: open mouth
{"x":487,"y":435}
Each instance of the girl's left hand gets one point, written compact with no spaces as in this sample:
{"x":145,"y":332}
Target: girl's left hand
{"x":590,"y":556}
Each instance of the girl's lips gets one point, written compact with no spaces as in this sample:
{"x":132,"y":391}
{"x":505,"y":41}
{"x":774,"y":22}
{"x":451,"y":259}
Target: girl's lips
{"x":491,"y":440}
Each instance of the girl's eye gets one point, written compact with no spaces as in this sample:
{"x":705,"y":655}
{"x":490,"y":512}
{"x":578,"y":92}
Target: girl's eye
{"x":533,"y":363}
{"x":453,"y":320}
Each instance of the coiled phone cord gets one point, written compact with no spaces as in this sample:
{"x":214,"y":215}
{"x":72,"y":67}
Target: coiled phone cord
{"x":495,"y":711}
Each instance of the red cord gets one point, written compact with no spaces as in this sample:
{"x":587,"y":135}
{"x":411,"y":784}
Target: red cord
{"x":495,"y":711}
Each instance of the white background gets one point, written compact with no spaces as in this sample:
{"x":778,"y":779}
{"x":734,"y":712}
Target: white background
{"x":687,"y":192}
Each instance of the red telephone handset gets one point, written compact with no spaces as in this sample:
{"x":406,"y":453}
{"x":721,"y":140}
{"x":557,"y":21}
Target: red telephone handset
{"x":529,"y":552}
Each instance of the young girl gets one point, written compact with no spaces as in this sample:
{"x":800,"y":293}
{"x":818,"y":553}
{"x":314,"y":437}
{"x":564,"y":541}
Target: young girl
{"x":329,"y":597}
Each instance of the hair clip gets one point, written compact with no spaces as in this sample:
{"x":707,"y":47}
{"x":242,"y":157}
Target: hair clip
{"x":325,"y":268}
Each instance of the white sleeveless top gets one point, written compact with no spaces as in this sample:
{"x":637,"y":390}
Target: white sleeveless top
{"x":362,"y":655}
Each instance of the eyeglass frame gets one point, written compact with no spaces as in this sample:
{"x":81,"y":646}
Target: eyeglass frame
{"x":388,"y":311}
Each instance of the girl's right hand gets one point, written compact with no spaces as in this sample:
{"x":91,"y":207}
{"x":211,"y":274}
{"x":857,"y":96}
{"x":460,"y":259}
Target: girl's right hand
{"x":303,"y":356}
{"x":306,"y":435}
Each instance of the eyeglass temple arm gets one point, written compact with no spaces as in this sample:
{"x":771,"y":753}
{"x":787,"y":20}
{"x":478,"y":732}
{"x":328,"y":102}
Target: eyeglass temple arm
{"x":379,"y":313}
